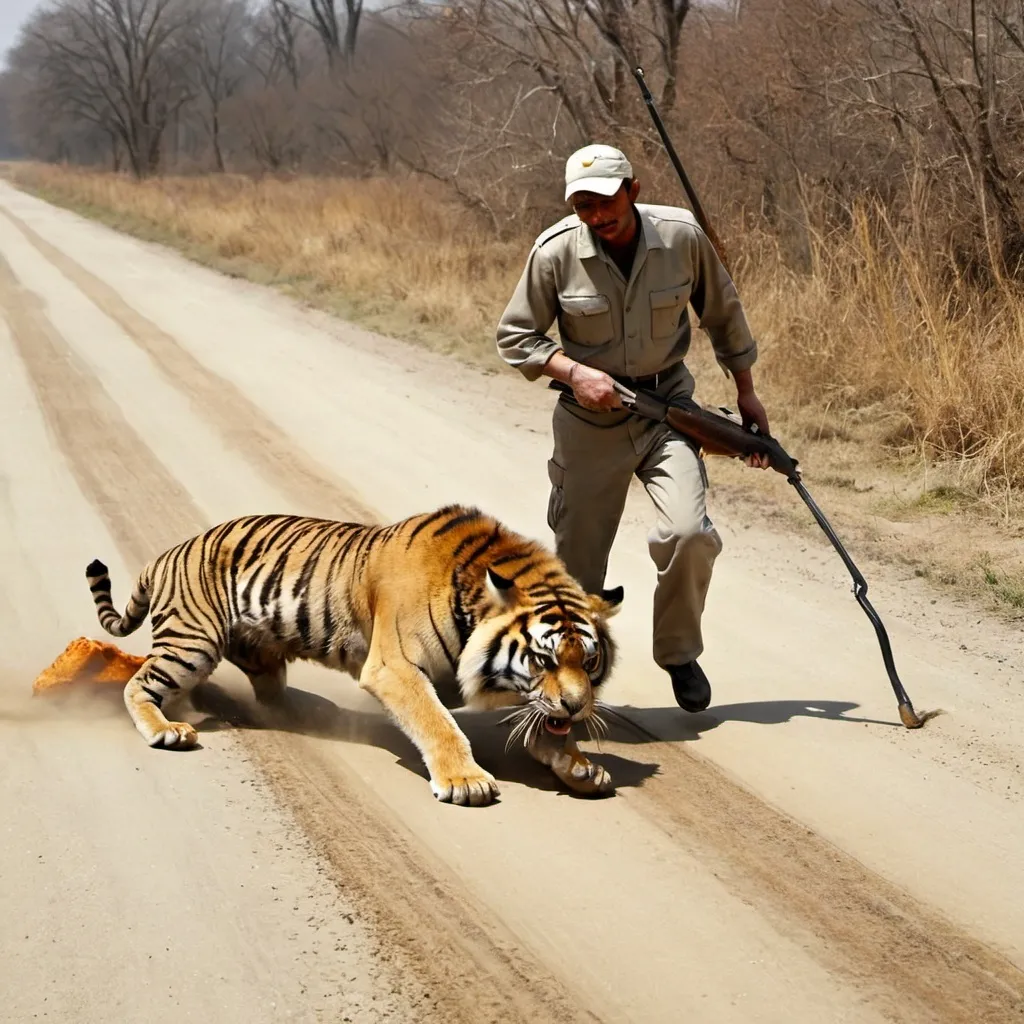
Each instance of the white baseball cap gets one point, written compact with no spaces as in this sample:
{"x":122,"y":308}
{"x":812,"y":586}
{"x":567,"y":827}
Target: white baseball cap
{"x":597,"y":169}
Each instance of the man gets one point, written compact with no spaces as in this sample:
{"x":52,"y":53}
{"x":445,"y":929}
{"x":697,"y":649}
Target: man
{"x":617,"y":277}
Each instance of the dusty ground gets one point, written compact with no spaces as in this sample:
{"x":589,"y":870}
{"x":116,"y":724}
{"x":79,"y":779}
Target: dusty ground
{"x":792,"y":854}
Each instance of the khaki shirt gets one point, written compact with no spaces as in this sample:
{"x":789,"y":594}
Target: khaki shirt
{"x":628,"y":328}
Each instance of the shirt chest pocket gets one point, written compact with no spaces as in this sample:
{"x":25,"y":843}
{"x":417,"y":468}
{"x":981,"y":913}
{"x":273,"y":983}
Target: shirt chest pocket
{"x":668,"y":306}
{"x":586,"y":319}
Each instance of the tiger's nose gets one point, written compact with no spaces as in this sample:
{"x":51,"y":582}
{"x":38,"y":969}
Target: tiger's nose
{"x":573,"y":705}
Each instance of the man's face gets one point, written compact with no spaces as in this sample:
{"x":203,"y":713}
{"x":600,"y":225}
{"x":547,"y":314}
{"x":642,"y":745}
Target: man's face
{"x":609,"y":217}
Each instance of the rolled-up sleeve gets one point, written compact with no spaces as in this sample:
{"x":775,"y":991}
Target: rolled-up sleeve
{"x":717,"y":304}
{"x":522,"y":337}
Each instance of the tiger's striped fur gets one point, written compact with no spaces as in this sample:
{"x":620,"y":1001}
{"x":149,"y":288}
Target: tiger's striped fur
{"x":442,"y":598}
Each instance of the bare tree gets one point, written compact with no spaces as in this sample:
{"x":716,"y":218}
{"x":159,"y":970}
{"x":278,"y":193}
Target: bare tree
{"x":8,"y":92}
{"x":522,"y":82}
{"x":630,"y":30}
{"x":283,"y":36}
{"x":339,"y":41}
{"x":117,"y":64}
{"x":353,"y":17}
{"x":273,"y":43}
{"x":217,"y":39}
{"x":954,"y":70}
{"x":270,"y":128}
{"x":767,"y":129}
{"x":670,"y":15}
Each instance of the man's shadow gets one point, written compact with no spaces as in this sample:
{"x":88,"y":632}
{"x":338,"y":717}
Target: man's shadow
{"x":311,"y":714}
{"x":671,"y":724}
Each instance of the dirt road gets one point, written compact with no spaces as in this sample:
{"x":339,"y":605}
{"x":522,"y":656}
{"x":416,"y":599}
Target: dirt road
{"x":792,"y":854}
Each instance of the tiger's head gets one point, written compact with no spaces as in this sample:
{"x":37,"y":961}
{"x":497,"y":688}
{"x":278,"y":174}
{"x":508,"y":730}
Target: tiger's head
{"x":541,"y":643}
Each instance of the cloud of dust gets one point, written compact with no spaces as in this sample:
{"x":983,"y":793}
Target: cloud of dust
{"x":78,"y":700}
{"x":348,"y":714}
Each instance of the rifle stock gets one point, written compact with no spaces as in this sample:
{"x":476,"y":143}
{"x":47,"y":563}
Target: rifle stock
{"x":719,"y":434}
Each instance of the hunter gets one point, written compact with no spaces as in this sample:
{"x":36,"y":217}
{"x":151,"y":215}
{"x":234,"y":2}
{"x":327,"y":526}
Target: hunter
{"x":617,"y":276}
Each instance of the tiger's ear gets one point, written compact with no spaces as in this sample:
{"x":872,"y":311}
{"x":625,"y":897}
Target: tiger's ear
{"x":497,"y":586}
{"x":608,"y":602}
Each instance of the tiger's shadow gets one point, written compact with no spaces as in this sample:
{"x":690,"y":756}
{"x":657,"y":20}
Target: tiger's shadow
{"x":310,"y":714}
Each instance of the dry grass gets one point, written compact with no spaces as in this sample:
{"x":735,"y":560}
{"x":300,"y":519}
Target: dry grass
{"x":402,"y":258}
{"x":879,"y":326}
{"x":897,"y":388}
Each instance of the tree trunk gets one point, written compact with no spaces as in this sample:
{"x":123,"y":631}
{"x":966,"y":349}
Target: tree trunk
{"x":999,"y":199}
{"x":674,"y":13}
{"x":355,"y":12}
{"x":218,"y":155}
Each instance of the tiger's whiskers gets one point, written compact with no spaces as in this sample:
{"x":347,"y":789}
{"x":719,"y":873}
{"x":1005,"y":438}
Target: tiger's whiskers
{"x":527,"y":720}
{"x":533,"y":734}
{"x":596,"y":727}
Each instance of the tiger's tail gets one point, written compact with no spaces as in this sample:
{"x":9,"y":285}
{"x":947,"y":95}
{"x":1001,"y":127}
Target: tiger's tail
{"x":135,"y":614}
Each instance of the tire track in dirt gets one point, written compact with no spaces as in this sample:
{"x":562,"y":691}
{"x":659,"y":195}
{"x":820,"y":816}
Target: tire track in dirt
{"x":915,"y":965}
{"x":244,"y":427}
{"x":436,"y":934}
{"x":102,"y":450}
{"x":369,"y":855}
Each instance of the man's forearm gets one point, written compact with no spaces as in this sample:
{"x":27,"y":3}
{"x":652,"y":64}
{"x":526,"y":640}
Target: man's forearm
{"x":744,"y":382}
{"x":594,"y":389}
{"x":559,"y":366}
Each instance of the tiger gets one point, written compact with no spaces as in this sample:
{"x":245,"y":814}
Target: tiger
{"x":450,"y":601}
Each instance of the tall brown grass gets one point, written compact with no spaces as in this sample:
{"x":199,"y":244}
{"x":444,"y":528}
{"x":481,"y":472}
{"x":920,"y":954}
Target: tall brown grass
{"x":878,"y":325}
{"x":882,"y":325}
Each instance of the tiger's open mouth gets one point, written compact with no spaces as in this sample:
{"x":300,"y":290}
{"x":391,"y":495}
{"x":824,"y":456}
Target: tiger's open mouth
{"x":558,"y":726}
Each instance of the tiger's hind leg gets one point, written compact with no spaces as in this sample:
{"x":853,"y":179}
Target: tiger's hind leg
{"x":269,"y":686}
{"x":571,"y":766}
{"x":167,"y":673}
{"x":267,"y":671}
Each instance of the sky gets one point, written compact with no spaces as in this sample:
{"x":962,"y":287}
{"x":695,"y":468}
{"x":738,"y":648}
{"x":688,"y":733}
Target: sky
{"x":12,"y":14}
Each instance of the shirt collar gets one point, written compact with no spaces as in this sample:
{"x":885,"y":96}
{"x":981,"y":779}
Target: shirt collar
{"x":587,"y":245}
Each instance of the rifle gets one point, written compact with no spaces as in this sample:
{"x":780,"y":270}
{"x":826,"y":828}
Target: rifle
{"x":722,"y":433}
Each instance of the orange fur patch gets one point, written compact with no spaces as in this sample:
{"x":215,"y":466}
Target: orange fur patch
{"x":87,"y":661}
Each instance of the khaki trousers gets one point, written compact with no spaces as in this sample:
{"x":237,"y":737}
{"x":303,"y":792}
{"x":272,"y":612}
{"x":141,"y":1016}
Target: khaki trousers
{"x":595,"y":457}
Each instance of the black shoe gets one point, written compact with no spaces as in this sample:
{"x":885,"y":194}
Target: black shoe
{"x":691,"y":686}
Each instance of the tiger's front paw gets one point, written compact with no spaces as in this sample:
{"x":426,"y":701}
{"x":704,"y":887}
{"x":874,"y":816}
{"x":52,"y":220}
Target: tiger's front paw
{"x":584,"y":776}
{"x":570,"y":765}
{"x":472,"y":786}
{"x":175,"y":735}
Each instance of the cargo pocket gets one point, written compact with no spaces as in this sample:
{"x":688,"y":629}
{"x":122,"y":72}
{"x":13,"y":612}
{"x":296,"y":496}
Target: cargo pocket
{"x":556,"y":474}
{"x":586,"y":319}
{"x":667,"y":307}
